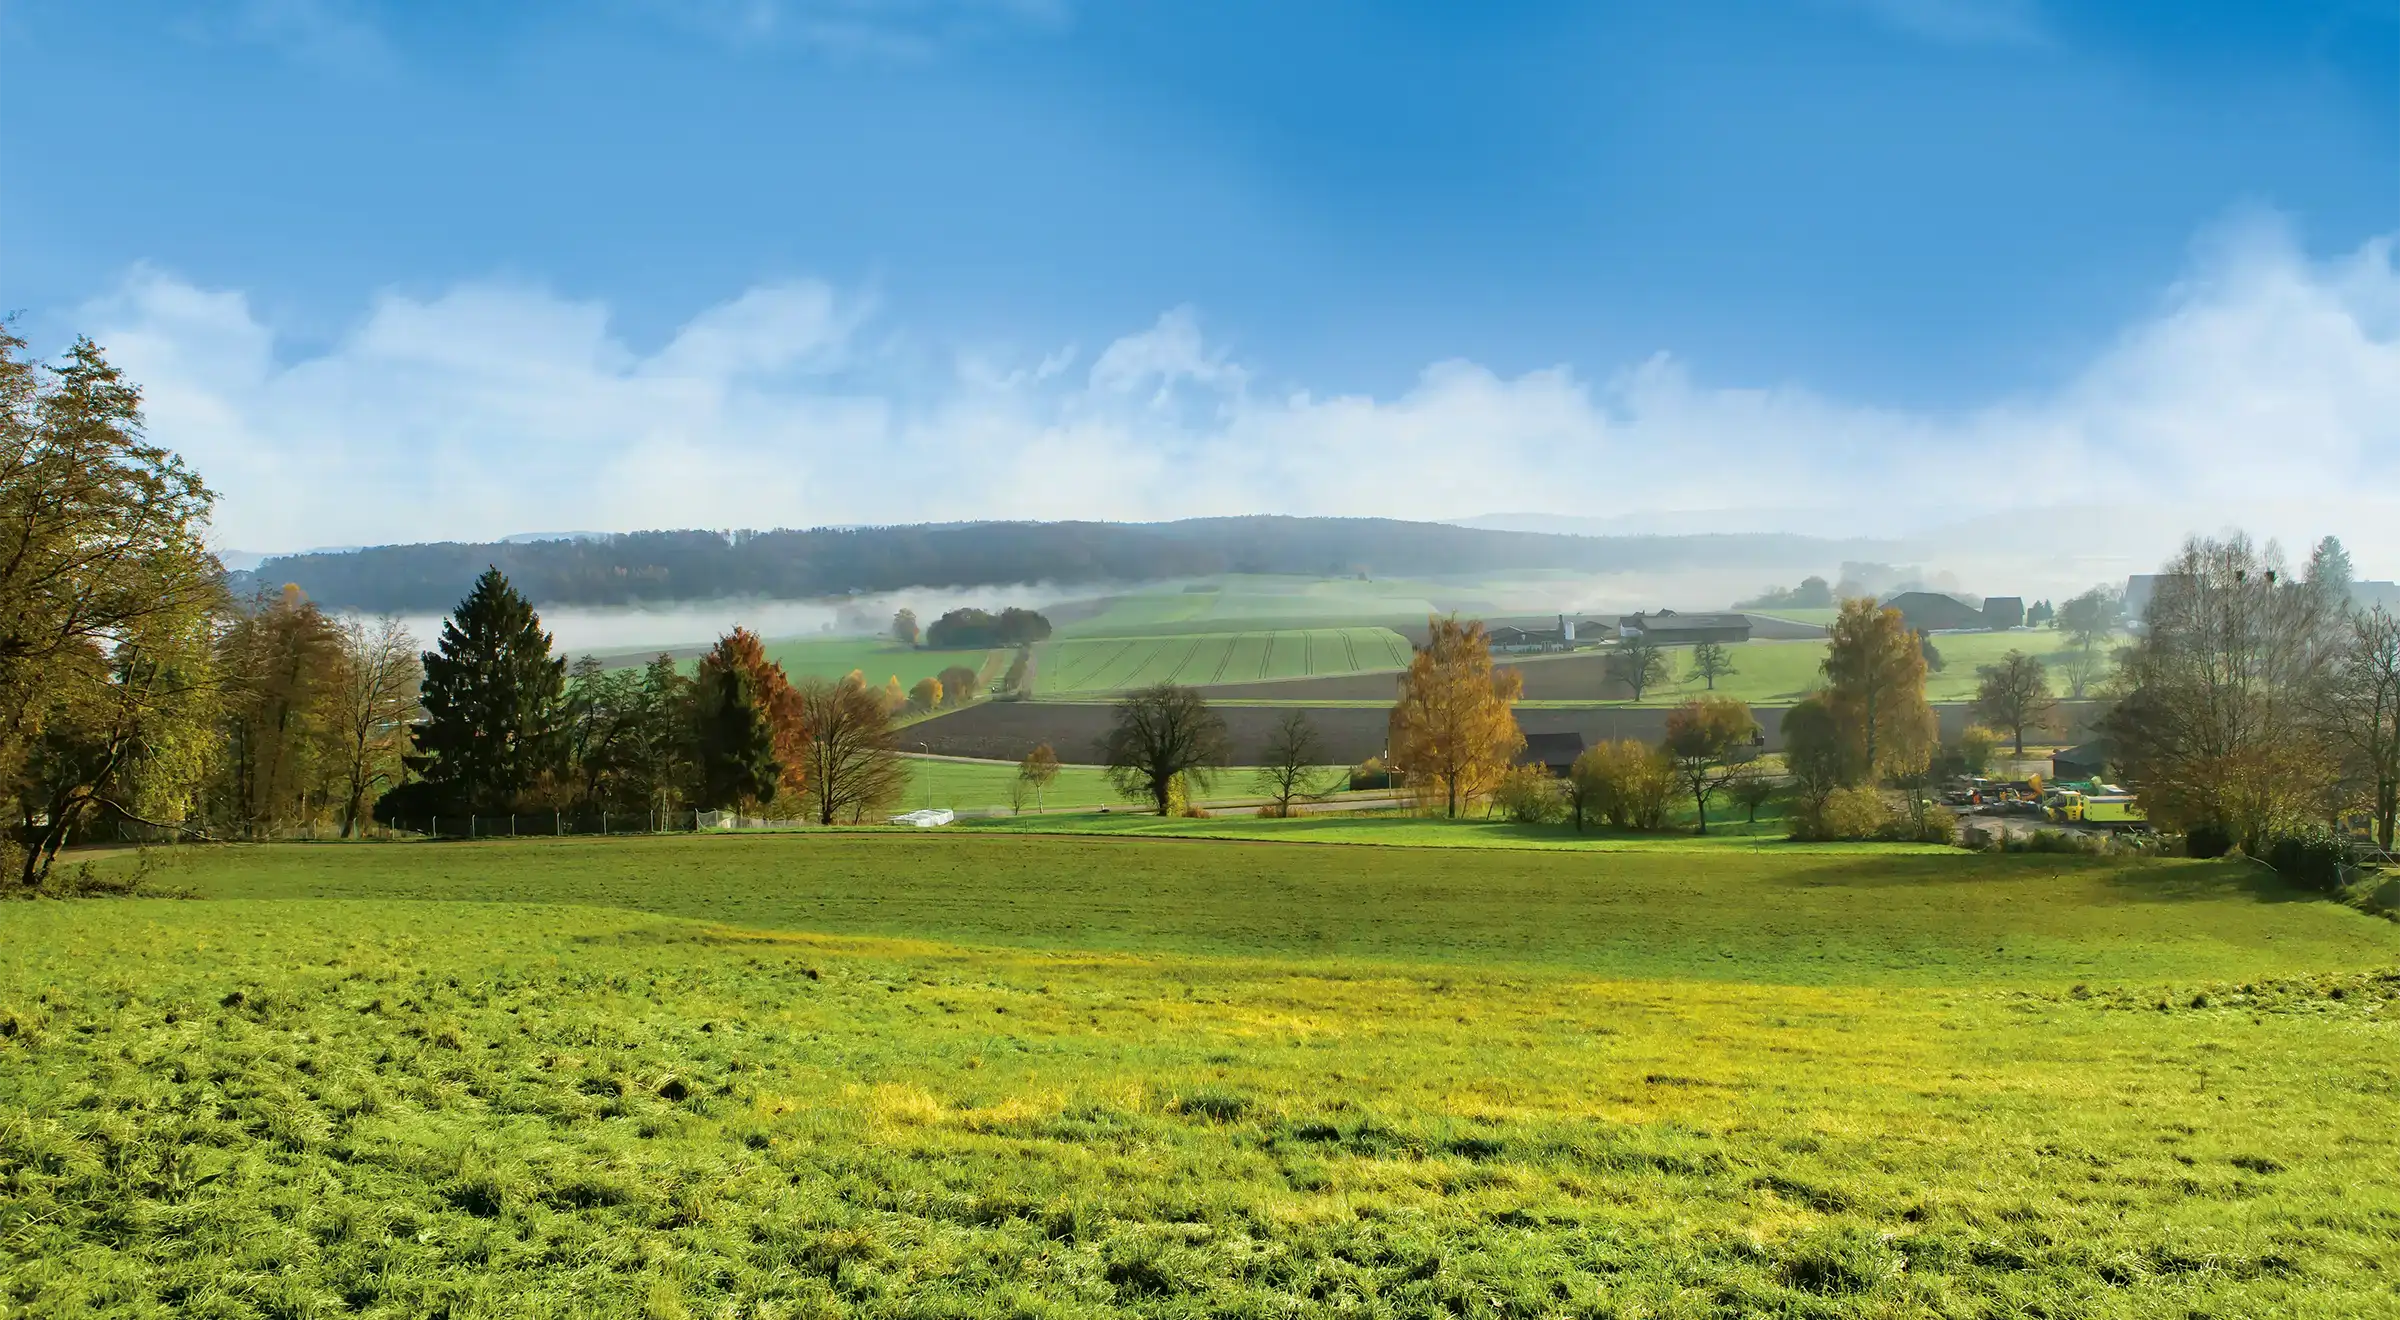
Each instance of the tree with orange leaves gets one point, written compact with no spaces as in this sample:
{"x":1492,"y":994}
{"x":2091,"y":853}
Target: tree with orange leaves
{"x":1452,"y":731}
{"x":770,"y":690}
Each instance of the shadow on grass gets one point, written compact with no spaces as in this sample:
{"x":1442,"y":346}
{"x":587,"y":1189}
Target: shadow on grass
{"x":2159,"y":880}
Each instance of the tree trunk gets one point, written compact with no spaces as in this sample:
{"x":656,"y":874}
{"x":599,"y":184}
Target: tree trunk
{"x":1700,"y":803}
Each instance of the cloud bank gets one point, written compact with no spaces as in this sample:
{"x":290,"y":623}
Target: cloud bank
{"x":2264,"y":389}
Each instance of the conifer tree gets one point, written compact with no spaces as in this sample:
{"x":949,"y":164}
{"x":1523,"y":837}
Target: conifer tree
{"x":494,"y":702}
{"x":737,"y":741}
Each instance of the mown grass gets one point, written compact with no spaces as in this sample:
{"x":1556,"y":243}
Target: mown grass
{"x":884,"y":1074}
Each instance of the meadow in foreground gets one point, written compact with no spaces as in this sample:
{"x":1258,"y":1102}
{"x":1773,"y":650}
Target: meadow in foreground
{"x":986,"y":1074}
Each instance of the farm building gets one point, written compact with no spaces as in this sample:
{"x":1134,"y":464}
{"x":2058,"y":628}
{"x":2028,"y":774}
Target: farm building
{"x":1554,"y":752}
{"x":1931,"y":611}
{"x":1667,"y":628}
{"x":1510,"y":637}
{"x":2003,"y":612}
{"x":2089,"y":761}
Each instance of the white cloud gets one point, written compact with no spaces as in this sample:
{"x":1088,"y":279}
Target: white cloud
{"x":2264,"y":389}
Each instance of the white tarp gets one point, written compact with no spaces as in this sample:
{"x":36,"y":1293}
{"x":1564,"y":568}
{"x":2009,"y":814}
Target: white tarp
{"x":926,"y":818}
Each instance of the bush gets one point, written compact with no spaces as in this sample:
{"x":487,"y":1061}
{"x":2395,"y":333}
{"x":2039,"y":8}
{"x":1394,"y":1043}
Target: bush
{"x":1529,"y":796}
{"x":2314,"y":860}
{"x":1626,"y":782}
{"x":1847,"y":813}
{"x":1940,"y":826}
{"x":2207,"y":841}
{"x":1370,"y":773}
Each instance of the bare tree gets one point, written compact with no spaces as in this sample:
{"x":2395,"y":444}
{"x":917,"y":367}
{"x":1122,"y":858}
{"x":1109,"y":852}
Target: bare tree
{"x":2013,"y":694}
{"x":2219,"y":722}
{"x":854,"y":770}
{"x":1638,"y":662}
{"x":1291,"y":766}
{"x":378,"y":701}
{"x":2362,"y":713}
{"x":1160,"y":733}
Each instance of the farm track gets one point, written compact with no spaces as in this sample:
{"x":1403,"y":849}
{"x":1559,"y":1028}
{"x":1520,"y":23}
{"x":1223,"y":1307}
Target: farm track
{"x":1219,"y":675}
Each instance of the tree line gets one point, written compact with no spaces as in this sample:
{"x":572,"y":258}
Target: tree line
{"x":649,"y":567}
{"x":135,"y":687}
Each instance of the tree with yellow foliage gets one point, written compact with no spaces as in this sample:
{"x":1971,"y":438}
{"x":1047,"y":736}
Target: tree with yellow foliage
{"x":926,"y":695}
{"x":1452,"y":731}
{"x":1875,"y":690}
{"x":895,"y":697}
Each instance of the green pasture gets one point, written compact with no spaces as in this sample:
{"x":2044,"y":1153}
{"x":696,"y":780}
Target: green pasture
{"x":1246,"y":602}
{"x":973,"y":785}
{"x":1110,"y":664}
{"x":1782,"y":672}
{"x":884,"y":1073}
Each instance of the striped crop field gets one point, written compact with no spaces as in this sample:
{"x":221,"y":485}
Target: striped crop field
{"x":1113,"y":664}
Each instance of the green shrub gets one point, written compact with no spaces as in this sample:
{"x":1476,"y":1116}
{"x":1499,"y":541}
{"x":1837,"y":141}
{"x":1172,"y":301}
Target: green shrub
{"x":2314,"y":859}
{"x":2207,"y":841}
{"x":1528,"y":795}
{"x":1847,"y":813}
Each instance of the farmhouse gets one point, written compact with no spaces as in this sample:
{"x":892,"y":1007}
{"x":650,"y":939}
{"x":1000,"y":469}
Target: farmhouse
{"x":1667,"y":628}
{"x":1931,"y":611}
{"x":1554,"y":752}
{"x":2003,"y":612}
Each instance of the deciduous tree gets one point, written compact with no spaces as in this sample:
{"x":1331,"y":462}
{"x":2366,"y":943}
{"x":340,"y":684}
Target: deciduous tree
{"x":106,"y":584}
{"x":926,"y":694}
{"x":2217,"y":724}
{"x":1162,"y":734}
{"x":1291,"y":766}
{"x":1706,"y":739}
{"x":1637,"y":663}
{"x":1875,"y":689}
{"x":376,"y":704}
{"x":2014,"y":694}
{"x":2361,"y":710}
{"x":959,"y":685}
{"x":1039,"y":767}
{"x":1452,"y":731}
{"x":854,"y":770}
{"x":904,"y":627}
{"x":1712,"y":661}
{"x":280,"y":663}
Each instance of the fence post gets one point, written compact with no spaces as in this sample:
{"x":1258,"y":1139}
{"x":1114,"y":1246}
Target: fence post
{"x":470,"y":824}
{"x":555,"y":831}
{"x":603,"y":822}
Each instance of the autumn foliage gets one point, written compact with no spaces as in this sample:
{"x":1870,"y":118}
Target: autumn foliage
{"x":1452,"y":731}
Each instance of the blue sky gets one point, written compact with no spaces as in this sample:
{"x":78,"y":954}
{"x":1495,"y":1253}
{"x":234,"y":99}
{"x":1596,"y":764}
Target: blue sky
{"x":1938,"y":211}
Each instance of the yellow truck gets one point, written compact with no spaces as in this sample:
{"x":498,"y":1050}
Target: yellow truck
{"x":2063,"y":808}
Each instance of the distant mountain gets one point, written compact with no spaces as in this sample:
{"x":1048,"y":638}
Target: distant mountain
{"x":658,"y":567}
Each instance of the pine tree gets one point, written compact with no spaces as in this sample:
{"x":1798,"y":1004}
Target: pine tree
{"x":494,"y":703}
{"x":737,"y":741}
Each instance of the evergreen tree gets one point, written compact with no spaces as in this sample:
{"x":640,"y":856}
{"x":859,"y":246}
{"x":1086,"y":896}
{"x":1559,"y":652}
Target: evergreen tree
{"x":494,"y":699}
{"x":737,"y":741}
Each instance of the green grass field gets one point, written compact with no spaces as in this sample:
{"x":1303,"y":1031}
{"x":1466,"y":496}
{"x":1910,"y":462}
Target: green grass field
{"x":1110,"y":664}
{"x":992,"y":1073}
{"x":1240,"y":602}
{"x":1779,"y":673}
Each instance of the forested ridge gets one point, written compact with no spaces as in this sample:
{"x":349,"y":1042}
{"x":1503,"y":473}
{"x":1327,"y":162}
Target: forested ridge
{"x":649,"y":567}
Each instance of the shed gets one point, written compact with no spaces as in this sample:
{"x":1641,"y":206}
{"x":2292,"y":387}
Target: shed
{"x":1554,"y":752}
